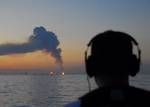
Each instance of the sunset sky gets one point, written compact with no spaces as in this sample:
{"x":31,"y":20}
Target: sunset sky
{"x":74,"y":22}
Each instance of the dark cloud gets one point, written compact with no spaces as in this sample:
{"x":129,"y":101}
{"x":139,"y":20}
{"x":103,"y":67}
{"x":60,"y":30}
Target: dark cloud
{"x":40,"y":40}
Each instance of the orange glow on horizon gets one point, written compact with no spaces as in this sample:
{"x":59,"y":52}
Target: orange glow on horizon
{"x":26,"y":61}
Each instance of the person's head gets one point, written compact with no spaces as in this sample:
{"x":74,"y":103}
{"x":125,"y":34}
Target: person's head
{"x":112,"y":56}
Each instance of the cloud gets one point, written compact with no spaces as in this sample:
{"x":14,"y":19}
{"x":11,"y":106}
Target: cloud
{"x":41,"y":39}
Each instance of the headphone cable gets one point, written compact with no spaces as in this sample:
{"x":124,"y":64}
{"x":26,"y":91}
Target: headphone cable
{"x":89,"y":85}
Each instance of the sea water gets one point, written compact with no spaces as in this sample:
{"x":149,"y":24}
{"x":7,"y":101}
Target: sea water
{"x":49,"y":91}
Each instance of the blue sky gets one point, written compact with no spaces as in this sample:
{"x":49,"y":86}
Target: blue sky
{"x":75,"y":22}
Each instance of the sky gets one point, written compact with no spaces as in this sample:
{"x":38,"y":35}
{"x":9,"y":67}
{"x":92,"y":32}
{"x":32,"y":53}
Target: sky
{"x":74,"y":22}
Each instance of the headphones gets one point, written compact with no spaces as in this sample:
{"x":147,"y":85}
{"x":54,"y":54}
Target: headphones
{"x":92,"y":69}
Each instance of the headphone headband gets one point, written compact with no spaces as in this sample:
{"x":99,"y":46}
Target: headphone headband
{"x":127,"y":36}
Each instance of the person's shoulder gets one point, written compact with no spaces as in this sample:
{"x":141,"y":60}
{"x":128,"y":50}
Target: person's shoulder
{"x":73,"y":104}
{"x":96,"y":97}
{"x":101,"y":92}
{"x":131,"y":95}
{"x":138,"y":96}
{"x":140,"y":91}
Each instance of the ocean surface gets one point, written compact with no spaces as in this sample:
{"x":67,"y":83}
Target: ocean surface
{"x":49,"y":91}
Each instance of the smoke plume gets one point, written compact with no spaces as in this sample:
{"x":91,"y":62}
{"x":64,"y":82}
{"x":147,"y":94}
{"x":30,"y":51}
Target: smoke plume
{"x":41,"y":39}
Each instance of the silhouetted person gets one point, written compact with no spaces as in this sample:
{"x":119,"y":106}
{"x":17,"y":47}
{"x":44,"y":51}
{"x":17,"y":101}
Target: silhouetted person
{"x":111,"y":62}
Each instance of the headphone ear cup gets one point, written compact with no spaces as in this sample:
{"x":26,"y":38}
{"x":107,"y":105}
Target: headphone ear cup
{"x":89,"y":66}
{"x":134,"y":65}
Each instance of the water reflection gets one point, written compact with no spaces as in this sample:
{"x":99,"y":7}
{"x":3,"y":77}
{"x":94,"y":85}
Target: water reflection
{"x":45,"y":91}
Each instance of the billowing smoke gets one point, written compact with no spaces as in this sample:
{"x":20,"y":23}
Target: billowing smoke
{"x":40,"y":40}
